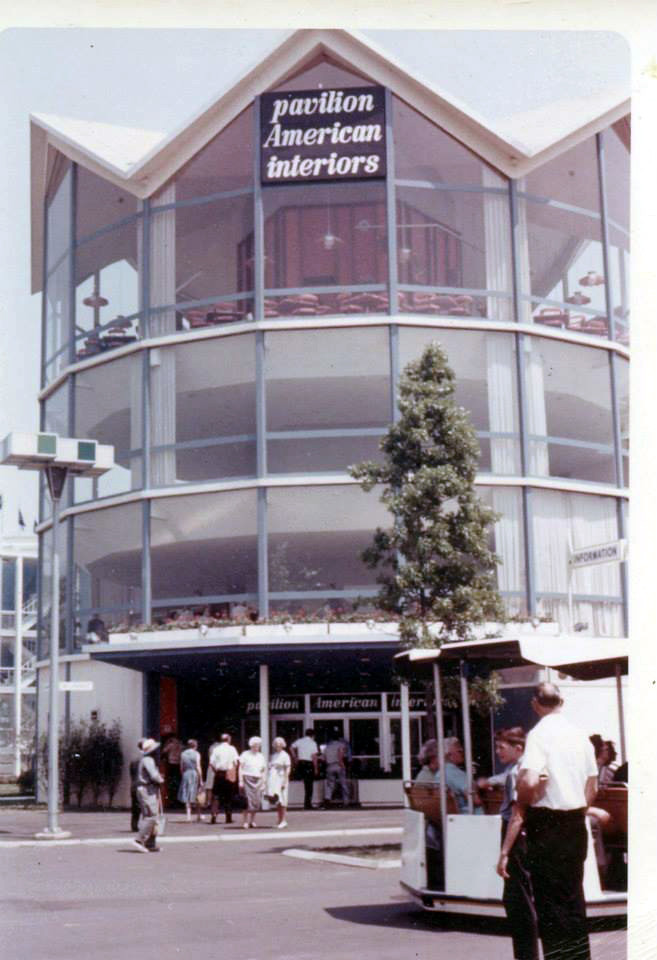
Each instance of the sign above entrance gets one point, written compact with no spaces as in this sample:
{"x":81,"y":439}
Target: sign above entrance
{"x":345,"y":702}
{"x":322,"y":135}
{"x":291,"y":704}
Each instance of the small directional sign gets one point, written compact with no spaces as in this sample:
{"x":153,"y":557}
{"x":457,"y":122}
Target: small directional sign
{"x":75,"y":686}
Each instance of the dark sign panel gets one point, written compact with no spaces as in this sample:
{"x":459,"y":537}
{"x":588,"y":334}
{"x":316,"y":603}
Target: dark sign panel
{"x":323,"y":135}
{"x":288,"y":704}
{"x":345,"y":702}
{"x":416,"y":701}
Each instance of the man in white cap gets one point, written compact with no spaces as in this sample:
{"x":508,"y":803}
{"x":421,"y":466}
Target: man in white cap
{"x":148,"y":782}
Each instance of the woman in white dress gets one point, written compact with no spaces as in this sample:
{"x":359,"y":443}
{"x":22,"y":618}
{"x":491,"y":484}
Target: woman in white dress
{"x":278,"y":779}
{"x":252,"y":775}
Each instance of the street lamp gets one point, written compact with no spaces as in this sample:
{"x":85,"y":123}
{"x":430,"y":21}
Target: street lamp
{"x":56,"y":457}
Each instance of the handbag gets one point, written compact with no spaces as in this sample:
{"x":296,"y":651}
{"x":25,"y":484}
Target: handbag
{"x":201,"y":797}
{"x":231,"y":775}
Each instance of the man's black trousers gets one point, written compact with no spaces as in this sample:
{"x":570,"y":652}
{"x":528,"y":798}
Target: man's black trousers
{"x":306,"y":771}
{"x":518,"y":901}
{"x":223,"y":793}
{"x":556,"y":844}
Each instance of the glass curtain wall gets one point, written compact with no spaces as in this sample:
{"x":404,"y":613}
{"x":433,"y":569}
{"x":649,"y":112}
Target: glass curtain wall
{"x":57,"y":298}
{"x":328,"y":398}
{"x":616,"y":161}
{"x":560,"y":255}
{"x":107,"y":567}
{"x":203,"y":411}
{"x":323,"y":397}
{"x":453,"y":232}
{"x":201,"y":263}
{"x":562,"y":521}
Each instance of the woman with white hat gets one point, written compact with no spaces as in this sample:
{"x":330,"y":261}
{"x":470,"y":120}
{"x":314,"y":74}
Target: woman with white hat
{"x":148,"y":782}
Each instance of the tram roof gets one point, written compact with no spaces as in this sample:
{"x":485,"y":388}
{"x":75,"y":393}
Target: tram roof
{"x":584,"y":658}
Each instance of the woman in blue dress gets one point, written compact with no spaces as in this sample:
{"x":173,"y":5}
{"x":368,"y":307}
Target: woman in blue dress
{"x":191,"y":778}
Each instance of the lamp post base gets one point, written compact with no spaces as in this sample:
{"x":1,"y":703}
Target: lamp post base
{"x":49,"y":834}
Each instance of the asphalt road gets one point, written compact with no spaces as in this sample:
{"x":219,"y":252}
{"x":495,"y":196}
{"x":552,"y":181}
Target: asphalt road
{"x":238,"y":900}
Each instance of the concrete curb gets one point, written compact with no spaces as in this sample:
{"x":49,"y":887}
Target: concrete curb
{"x":233,"y":837}
{"x":366,"y":862}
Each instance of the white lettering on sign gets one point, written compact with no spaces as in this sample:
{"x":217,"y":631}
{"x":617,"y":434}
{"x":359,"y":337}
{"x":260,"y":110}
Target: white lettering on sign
{"x":296,"y":142}
{"x":277,"y":705}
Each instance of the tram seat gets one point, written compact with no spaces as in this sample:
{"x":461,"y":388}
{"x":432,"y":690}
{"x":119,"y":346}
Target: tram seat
{"x":491,"y":799}
{"x":614,"y":801}
{"x":425,"y":798}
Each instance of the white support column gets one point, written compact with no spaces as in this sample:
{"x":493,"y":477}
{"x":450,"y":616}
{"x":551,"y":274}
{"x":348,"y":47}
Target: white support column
{"x":405,"y":735}
{"x":18,"y":662}
{"x":440,"y":732}
{"x":621,"y":714}
{"x":385,"y":752}
{"x":467,"y":740}
{"x":264,"y":709}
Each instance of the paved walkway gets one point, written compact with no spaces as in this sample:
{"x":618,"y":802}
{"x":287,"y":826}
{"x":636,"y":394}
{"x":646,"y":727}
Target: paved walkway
{"x":99,"y":899}
{"x":18,"y":827}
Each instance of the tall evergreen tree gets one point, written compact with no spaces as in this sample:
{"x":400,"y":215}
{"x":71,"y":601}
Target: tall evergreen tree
{"x":435,"y":565}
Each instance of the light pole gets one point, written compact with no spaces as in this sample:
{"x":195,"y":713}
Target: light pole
{"x":56,"y":457}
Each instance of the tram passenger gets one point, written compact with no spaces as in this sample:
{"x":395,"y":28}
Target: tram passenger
{"x":512,"y":865}
{"x":456,"y":778}
{"x":428,"y":759}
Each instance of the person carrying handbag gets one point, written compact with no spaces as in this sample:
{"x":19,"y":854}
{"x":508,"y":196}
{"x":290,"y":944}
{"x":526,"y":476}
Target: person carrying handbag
{"x":148,"y":783}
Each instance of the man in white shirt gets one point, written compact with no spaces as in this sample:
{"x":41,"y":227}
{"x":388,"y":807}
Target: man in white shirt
{"x":558,"y":779}
{"x":223,"y":762}
{"x":305,"y":753}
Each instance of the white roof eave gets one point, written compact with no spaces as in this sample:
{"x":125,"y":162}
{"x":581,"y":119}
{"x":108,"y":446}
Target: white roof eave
{"x":140,"y":161}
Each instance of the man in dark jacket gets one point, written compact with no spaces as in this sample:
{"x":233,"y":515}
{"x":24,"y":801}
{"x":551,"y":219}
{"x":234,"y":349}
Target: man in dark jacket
{"x":134,"y":802}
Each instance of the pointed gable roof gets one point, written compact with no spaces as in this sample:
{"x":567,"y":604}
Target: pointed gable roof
{"x":140,"y":161}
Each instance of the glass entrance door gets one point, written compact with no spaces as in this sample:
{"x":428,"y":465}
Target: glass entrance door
{"x":365,"y":742}
{"x":289,"y":730}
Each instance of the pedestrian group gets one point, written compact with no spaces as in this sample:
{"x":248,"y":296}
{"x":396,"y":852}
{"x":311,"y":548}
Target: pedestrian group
{"x":230,"y":775}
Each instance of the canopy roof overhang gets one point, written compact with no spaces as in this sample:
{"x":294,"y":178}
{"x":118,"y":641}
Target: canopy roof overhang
{"x":140,"y":161}
{"x":358,"y":662}
{"x":583,"y":658}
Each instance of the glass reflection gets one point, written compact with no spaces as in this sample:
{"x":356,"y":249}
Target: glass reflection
{"x":204,"y":546}
{"x":203,"y":411}
{"x":324,"y":235}
{"x":569,"y":417}
{"x":107,"y":292}
{"x":484,"y":365}
{"x":107,"y":558}
{"x":108,"y":408}
{"x":316,"y":536}
{"x":561,"y":259}
{"x":452,"y":240}
{"x":562,"y":521}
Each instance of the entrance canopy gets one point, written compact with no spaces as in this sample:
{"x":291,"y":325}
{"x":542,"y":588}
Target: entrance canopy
{"x":355,"y":662}
{"x":584,"y":658}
